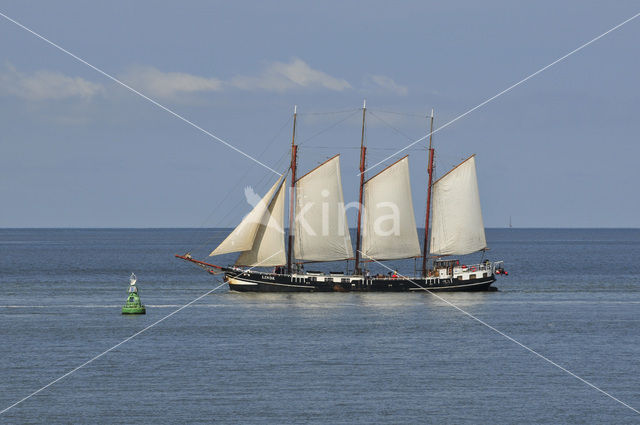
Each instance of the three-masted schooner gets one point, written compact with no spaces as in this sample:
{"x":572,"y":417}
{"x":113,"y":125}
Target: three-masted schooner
{"x":386,"y":230}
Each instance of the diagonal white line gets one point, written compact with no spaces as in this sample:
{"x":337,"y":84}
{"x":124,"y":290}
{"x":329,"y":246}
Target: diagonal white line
{"x":175,"y":114}
{"x":106,"y":351}
{"x":505,"y":335}
{"x":480,"y":105}
{"x":127,"y":339}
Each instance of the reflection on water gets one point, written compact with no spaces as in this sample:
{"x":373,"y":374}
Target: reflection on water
{"x":368,"y":300}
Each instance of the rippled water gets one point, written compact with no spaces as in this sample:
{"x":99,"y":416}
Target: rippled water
{"x":572,"y":295}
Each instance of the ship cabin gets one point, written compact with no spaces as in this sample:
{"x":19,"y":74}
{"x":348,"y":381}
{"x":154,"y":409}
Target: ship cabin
{"x":453,"y":268}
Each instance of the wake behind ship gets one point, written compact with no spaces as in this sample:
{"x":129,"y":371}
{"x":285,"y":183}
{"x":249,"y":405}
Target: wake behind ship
{"x":386,"y":230}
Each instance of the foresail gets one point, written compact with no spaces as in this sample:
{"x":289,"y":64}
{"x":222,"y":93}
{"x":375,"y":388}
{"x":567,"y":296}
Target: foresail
{"x":242,"y":237}
{"x":457,"y":227}
{"x":268,"y":246}
{"x":321,"y":228}
{"x":389,"y":227}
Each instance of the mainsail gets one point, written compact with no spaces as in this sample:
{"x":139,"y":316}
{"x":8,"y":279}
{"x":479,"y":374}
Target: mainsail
{"x":243,"y":236}
{"x":457,"y":227}
{"x":321,"y":229}
{"x":268,"y":245}
{"x":389,"y":223}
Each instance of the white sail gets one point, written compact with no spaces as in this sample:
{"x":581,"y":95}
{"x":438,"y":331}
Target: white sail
{"x":389,"y":227}
{"x":457,"y":227}
{"x":242,"y":237}
{"x":321,"y":229}
{"x":268,"y":246}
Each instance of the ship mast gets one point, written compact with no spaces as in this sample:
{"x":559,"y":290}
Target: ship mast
{"x":426,"y":223}
{"x":294,"y":152}
{"x":362,"y":165}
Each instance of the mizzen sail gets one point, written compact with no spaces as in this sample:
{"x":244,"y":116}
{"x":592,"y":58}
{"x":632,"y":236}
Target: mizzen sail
{"x":389,"y":223}
{"x":457,"y":227}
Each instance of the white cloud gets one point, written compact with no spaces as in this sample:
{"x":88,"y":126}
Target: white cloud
{"x":46,"y":85}
{"x":280,"y":76}
{"x":384,"y":83}
{"x":155,"y":83}
{"x":277,"y":76}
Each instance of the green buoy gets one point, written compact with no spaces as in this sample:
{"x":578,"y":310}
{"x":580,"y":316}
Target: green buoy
{"x":133,"y":304}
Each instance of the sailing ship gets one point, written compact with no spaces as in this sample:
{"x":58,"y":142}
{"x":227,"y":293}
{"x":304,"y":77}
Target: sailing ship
{"x":386,"y":230}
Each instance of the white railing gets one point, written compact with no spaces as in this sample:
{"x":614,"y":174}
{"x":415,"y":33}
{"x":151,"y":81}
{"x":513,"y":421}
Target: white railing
{"x":487,"y":266}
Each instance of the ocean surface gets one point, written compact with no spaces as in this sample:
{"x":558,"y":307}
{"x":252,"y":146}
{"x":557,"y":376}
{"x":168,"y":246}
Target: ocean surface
{"x":571,"y":295}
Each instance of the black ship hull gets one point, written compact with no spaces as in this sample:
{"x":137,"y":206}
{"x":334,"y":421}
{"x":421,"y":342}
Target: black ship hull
{"x":252,"y":281}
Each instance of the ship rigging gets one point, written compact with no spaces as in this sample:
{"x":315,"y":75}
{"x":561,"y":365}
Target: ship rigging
{"x":386,"y":230}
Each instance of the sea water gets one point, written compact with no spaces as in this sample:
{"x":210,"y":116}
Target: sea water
{"x":572,"y":295}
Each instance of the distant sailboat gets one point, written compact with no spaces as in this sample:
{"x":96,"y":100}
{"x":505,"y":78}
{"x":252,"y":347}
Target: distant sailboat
{"x":457,"y":228}
{"x":510,"y":226}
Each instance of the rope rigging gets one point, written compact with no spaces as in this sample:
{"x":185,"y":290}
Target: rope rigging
{"x":329,"y":112}
{"x":239,"y":183}
{"x":231,"y":216}
{"x":330,"y":127}
{"x":396,"y":130}
{"x":406,"y":114}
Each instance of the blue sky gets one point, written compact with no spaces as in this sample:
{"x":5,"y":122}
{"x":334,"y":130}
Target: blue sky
{"x":76,"y":150}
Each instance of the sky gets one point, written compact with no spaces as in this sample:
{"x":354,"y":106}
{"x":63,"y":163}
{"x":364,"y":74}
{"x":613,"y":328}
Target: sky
{"x":78,"y":150}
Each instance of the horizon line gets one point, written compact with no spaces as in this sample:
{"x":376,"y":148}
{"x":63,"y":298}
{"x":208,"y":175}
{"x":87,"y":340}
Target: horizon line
{"x":232,"y":227}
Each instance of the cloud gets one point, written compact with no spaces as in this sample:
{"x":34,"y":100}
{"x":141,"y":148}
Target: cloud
{"x":384,"y":83}
{"x":46,"y":85}
{"x":276,"y":77}
{"x":155,"y":83}
{"x":280,"y":76}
